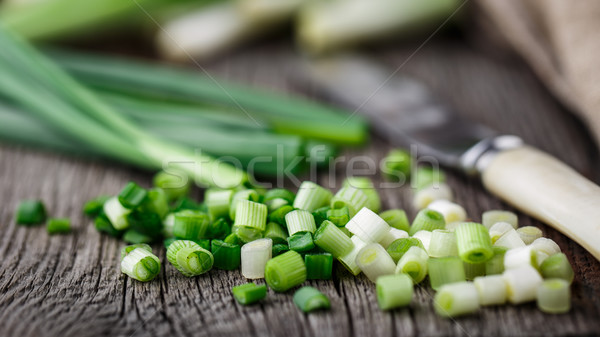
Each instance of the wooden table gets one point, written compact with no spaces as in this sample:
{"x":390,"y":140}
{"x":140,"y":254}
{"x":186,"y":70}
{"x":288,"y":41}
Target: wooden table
{"x":71,"y":285}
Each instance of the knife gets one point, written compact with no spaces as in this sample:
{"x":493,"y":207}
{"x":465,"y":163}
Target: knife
{"x":406,"y":113}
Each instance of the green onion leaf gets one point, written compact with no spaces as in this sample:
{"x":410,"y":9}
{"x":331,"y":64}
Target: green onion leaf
{"x":58,"y":226}
{"x":318,"y":266}
{"x":276,"y":233}
{"x":301,"y":242}
{"x":339,"y":217}
{"x":93,"y":207}
{"x":132,"y":195}
{"x":279,"y":249}
{"x":227,"y":256}
{"x":191,"y":225}
{"x":31,"y":212}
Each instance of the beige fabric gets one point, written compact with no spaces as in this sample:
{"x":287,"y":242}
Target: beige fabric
{"x":560,"y":39}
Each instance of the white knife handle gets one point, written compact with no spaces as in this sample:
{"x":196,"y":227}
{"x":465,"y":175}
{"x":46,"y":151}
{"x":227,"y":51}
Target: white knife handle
{"x":549,"y":190}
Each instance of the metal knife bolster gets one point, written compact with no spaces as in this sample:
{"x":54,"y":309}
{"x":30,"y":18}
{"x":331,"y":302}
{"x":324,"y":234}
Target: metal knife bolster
{"x":476,"y":159}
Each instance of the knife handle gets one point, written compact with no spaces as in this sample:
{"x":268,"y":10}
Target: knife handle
{"x":549,"y":190}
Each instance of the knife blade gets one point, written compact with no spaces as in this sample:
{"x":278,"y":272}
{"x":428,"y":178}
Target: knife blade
{"x":405,"y":112}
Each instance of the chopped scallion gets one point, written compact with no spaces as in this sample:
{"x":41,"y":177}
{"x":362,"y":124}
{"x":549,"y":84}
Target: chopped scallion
{"x":427,"y":220}
{"x":285,"y":271}
{"x":424,"y":197}
{"x":311,"y":196}
{"x":452,"y":212}
{"x":392,"y":235}
{"x":474,"y":243}
{"x":367,"y":225}
{"x":332,"y":240}
{"x":301,"y":242}
{"x":249,"y":293}
{"x":414,"y":264}
{"x":189,"y":258}
{"x":490,"y":218}
{"x":132,"y":195}
{"x":445,"y":270}
{"x":491,"y":289}
{"x":300,"y":221}
{"x":557,"y":266}
{"x":279,"y":249}
{"x":396,"y":218}
{"x":116,"y":213}
{"x":442,"y":244}
{"x":217,"y":202}
{"x":349,"y":260}
{"x":227,"y":256}
{"x":276,"y":233}
{"x":352,"y":198}
{"x":366,"y":185}
{"x":522,"y":284}
{"x":93,"y":207}
{"x":250,"y":195}
{"x":58,"y":226}
{"x":141,"y":265}
{"x":394,"y":291}
{"x":399,"y":247}
{"x":318,"y":266}
{"x":554,"y":296}
{"x":339,"y":216}
{"x":127,"y":249}
{"x":374,"y":261}
{"x":255,"y":255}
{"x":529,"y":234}
{"x":251,"y":214}
{"x":456,"y":299}
{"x":309,"y":299}
{"x":191,"y":225}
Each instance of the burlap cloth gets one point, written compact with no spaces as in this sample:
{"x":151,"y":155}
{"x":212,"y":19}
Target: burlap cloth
{"x":560,"y":39}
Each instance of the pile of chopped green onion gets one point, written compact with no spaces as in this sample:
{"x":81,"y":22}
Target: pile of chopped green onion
{"x":287,"y":238}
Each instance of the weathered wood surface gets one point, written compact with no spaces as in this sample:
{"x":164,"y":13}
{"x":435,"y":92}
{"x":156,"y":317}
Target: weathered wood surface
{"x":71,"y":285}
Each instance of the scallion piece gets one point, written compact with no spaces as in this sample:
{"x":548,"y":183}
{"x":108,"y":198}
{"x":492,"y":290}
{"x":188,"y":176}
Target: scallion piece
{"x":168,"y":241}
{"x":352,"y":198}
{"x":276,"y":233}
{"x":141,"y":265}
{"x":320,"y":214}
{"x":279,"y":249}
{"x":473,"y":270}
{"x":452,"y":212}
{"x":58,"y":226}
{"x":250,"y":195}
{"x":301,"y":242}
{"x":425,"y":238}
{"x":495,"y":265}
{"x":510,"y":240}
{"x":442,"y":244}
{"x":132,"y":195}
{"x":255,"y":255}
{"x":427,"y":176}
{"x":427,"y":220}
{"x":203,"y":243}
{"x":191,"y":225}
{"x":374,"y":261}
{"x":367,"y":225}
{"x":127,"y":249}
{"x":132,"y":236}
{"x":519,"y":257}
{"x":187,"y":203}
{"x":311,"y":196}
{"x":414,"y":264}
{"x":399,"y":247}
{"x":278,"y":216}
{"x":30,"y":212}
{"x":522,"y":284}
{"x":168,"y":223}
{"x":318,"y":266}
{"x":280,"y":193}
{"x":529,"y":233}
{"x":396,"y":218}
{"x":545,"y":245}
{"x":103,"y":225}
{"x":445,"y":270}
{"x":349,"y":260}
{"x":175,"y":184}
{"x":309,"y":299}
{"x":285,"y":271}
{"x":227,"y":256}
{"x":116,"y":213}
{"x":498,"y":229}
{"x":233,"y":238}
{"x":474,"y":244}
{"x":366,"y":185}
{"x":339,"y":217}
{"x":189,"y":258}
{"x":251,"y":214}
{"x":249,"y":293}
{"x":219,"y":229}
{"x":332,"y":240}
{"x":396,"y":166}
{"x":300,"y":221}
{"x":217,"y":202}
{"x":424,"y":197}
{"x":392,"y":235}
{"x":554,"y":296}
{"x":491,"y":289}
{"x":557,"y":266}
{"x":490,"y":218}
{"x":93,"y":207}
{"x":247,"y":234}
{"x":145,"y":223}
{"x":156,"y":202}
{"x":456,"y":299}
{"x":394,"y":291}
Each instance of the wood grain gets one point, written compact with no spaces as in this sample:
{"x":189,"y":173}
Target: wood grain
{"x":71,"y":285}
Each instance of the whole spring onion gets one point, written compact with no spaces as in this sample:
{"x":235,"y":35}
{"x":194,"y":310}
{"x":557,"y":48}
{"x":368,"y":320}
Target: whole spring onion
{"x":374,"y":261}
{"x":367,"y":225}
{"x":249,"y":293}
{"x":456,"y":299}
{"x":285,"y":271}
{"x":309,"y":299}
{"x":474,"y":243}
{"x":34,"y":82}
{"x":189,"y":258}
{"x":141,"y":265}
{"x":394,"y":291}
{"x":30,"y":212}
{"x":255,"y":255}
